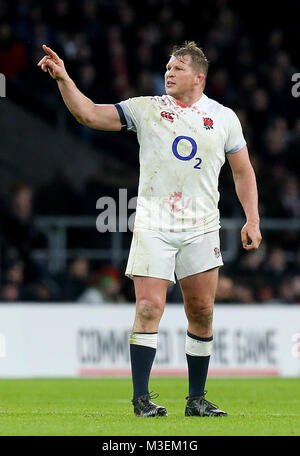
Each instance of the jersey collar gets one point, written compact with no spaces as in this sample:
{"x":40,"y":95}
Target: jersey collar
{"x":198,"y":103}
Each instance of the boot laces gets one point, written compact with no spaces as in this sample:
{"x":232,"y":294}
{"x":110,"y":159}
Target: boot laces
{"x":205,"y":401}
{"x":147,"y":402}
{"x":153,"y":395}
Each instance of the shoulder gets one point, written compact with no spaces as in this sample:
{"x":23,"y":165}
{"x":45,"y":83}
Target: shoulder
{"x":141,"y":100}
{"x":138,"y":109}
{"x":214,"y":105}
{"x":154,"y":100}
{"x":140,"y":105}
{"x":161,"y":101}
{"x":228,"y":115}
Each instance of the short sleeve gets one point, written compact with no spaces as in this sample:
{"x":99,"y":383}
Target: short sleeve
{"x":133,"y":110}
{"x":235,"y":140}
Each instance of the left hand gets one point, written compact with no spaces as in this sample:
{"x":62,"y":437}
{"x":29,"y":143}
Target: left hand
{"x":251,"y":231}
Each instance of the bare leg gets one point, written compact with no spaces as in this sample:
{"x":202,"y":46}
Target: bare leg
{"x":150,"y":302}
{"x":199,"y":294}
{"x":150,"y":296}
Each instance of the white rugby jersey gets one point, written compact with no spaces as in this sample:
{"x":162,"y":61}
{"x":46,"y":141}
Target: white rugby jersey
{"x":182,"y":150}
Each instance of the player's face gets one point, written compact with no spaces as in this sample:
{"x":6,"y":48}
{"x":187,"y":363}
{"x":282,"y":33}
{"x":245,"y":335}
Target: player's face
{"x":180,"y":76}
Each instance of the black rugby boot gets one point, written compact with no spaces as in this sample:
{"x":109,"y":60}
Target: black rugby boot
{"x":199,"y":406}
{"x":144,"y":407}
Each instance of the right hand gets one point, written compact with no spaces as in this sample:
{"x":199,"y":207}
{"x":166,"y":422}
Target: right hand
{"x":53,"y":64}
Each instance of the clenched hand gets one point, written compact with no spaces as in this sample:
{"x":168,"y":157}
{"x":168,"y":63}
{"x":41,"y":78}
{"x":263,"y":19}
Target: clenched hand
{"x":251,"y":231}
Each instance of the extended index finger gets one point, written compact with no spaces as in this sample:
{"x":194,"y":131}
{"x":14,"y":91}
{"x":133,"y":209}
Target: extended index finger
{"x":50,"y":52}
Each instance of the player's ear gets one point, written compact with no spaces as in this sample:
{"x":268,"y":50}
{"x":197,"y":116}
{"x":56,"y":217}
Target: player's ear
{"x":200,"y":78}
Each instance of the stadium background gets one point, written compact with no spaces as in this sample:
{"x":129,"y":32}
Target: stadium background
{"x":53,"y":170}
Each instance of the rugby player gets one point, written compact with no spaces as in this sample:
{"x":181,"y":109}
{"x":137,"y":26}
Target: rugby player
{"x":184,"y":138}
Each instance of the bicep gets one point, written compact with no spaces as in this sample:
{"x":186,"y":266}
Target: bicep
{"x":239,"y":161}
{"x":106,"y":117}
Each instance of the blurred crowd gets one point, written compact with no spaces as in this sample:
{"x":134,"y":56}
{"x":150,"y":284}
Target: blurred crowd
{"x":270,"y":274}
{"x":118,"y":49}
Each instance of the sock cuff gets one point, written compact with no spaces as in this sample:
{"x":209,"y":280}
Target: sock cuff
{"x":145,"y":339}
{"x":198,"y":346}
{"x":203,"y":339}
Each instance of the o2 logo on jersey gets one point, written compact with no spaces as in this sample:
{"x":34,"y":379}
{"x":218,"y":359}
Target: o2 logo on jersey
{"x":187,"y":157}
{"x":168,"y":115}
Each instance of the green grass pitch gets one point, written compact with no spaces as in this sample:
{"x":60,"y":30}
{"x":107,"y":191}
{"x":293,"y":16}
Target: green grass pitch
{"x":102,"y":407}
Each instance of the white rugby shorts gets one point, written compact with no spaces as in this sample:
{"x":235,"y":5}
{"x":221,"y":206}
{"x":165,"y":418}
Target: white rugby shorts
{"x":164,"y":254}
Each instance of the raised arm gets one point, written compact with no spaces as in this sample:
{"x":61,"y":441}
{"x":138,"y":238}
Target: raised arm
{"x":246,"y":189}
{"x":85,"y":111}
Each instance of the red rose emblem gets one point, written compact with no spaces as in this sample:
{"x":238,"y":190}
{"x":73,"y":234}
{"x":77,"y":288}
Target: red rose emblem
{"x":208,"y":123}
{"x":217,"y":252}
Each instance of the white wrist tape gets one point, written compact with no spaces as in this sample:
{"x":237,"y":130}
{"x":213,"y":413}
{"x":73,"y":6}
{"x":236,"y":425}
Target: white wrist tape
{"x":145,"y":339}
{"x":196,"y":347}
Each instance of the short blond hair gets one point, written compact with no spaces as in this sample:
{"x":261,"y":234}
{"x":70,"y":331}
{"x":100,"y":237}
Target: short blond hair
{"x":199,"y":60}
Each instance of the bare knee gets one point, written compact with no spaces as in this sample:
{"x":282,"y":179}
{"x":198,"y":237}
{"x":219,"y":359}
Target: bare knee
{"x":148,"y":313}
{"x":199,"y":311}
